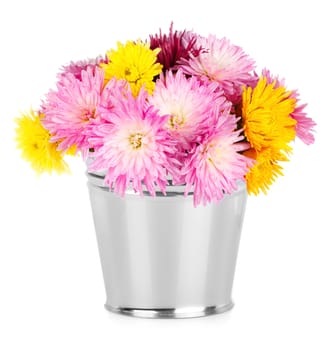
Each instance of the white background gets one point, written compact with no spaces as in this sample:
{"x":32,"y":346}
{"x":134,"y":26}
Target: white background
{"x":51,"y":287}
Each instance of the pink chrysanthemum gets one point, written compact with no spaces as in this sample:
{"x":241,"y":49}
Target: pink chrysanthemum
{"x":76,"y":68}
{"x":174,"y":46}
{"x":75,"y":105}
{"x":305,"y":125}
{"x":223,"y":62}
{"x":136,"y":147}
{"x":216,"y":165}
{"x":189,"y":104}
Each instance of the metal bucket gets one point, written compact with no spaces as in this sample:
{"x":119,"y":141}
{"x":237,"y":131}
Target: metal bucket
{"x":161,"y":256}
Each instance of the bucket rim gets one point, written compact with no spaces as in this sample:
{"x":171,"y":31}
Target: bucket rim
{"x":172,"y":190}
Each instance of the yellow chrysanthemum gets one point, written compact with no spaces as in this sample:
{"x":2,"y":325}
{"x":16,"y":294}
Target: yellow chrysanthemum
{"x":269,"y":129}
{"x":134,"y":62}
{"x":266,"y":117}
{"x":265,"y":170}
{"x":33,"y":140}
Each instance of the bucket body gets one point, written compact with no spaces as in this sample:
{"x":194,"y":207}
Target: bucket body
{"x":161,"y":256}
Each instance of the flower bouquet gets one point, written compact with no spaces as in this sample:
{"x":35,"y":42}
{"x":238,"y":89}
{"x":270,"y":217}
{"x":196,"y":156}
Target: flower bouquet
{"x":185,"y":120}
{"x":178,"y":107}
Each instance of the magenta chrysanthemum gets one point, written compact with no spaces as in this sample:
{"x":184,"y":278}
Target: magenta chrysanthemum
{"x":71,"y":109}
{"x":189,"y":104}
{"x":305,"y":125}
{"x":174,"y":47}
{"x":136,"y":147}
{"x":223,"y":62}
{"x":216,"y":165}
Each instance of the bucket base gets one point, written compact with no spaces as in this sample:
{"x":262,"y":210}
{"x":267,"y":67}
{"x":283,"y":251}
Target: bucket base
{"x":188,"y":312}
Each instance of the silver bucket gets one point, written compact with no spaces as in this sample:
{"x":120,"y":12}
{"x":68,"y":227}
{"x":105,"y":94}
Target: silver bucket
{"x":161,"y":256}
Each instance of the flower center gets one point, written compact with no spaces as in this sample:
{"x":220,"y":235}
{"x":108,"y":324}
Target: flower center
{"x":212,"y":154}
{"x":135,"y":140}
{"x":87,"y":115}
{"x":176,"y":121}
{"x":132,"y":75}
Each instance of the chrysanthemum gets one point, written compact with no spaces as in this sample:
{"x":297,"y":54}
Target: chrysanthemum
{"x":34,"y":142}
{"x":71,"y":109}
{"x":76,"y":68}
{"x":266,"y":111}
{"x":136,"y":63}
{"x":189,"y":105}
{"x":223,"y":62}
{"x":135,"y":146}
{"x":265,"y":169}
{"x":174,"y":47}
{"x":305,"y":125}
{"x":216,"y":165}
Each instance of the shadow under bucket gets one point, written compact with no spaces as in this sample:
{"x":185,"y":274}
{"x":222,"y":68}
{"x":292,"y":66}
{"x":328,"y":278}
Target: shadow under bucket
{"x":161,"y":256}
